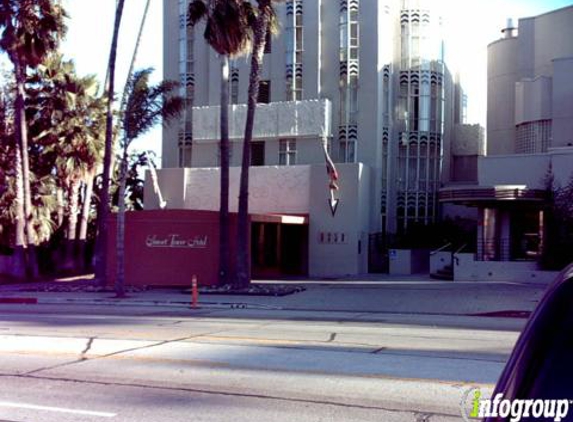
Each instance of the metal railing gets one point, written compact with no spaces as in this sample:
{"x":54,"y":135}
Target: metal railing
{"x":493,"y":250}
{"x":443,"y":248}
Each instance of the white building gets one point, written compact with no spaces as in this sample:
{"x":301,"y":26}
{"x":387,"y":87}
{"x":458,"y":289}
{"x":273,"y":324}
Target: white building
{"x":369,"y":77}
{"x":529,"y":132}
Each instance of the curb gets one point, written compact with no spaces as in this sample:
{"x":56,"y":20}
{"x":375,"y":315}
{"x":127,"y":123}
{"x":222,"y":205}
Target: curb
{"x":174,"y":304}
{"x":19,"y":300}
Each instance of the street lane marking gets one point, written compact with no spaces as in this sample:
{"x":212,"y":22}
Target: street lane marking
{"x":56,"y":409}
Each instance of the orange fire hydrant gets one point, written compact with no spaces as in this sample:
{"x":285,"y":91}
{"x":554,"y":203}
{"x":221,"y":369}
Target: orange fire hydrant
{"x":194,"y":292}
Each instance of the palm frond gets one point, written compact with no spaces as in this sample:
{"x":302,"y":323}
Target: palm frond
{"x":197,"y":11}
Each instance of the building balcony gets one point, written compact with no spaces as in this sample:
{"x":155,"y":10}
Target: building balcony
{"x":286,"y":119}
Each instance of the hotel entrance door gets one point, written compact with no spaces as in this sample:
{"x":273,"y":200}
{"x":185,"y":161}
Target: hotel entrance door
{"x":279,"y":250}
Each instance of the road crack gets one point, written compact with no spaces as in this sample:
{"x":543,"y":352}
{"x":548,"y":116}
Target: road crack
{"x":88,"y":346}
{"x":84,"y":358}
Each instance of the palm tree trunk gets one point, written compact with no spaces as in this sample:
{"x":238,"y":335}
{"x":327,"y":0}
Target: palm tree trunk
{"x":22,"y":136}
{"x":59,"y":206}
{"x":120,"y":246}
{"x":103,"y":211}
{"x":72,"y":226}
{"x":135,"y":51}
{"x":20,"y":249}
{"x":243,"y":276}
{"x":224,"y":251}
{"x":84,"y":220}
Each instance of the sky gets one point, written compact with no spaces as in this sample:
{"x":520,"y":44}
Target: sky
{"x":88,"y":40}
{"x":469,"y":27}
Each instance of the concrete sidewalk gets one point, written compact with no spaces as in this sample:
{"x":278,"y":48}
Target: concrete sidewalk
{"x":407,"y":295}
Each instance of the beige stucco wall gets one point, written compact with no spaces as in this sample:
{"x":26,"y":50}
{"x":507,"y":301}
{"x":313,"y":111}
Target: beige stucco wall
{"x":287,"y":190}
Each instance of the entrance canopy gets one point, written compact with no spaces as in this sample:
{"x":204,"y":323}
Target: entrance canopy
{"x":280,"y":219}
{"x":475,"y":195}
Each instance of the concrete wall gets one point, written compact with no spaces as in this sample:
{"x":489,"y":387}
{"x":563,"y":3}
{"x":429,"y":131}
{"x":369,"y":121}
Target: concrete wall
{"x":562,"y":130}
{"x":285,"y":119}
{"x":467,"y":269}
{"x":348,"y":255}
{"x":409,"y":261}
{"x":439,"y":260}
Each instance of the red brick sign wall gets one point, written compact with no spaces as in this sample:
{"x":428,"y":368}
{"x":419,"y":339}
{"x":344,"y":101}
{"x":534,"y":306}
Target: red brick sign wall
{"x":166,"y":247}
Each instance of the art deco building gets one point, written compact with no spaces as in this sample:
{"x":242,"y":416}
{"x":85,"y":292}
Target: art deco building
{"x":367,"y":77}
{"x":529,"y":141}
{"x":377,"y":71}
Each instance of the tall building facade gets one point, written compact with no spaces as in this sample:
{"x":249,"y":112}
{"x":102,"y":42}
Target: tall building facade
{"x":530,"y":106}
{"x":369,"y":78}
{"x":529,"y":150}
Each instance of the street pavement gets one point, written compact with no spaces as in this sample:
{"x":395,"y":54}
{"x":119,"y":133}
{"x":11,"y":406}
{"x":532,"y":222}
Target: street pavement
{"x":336,"y":352}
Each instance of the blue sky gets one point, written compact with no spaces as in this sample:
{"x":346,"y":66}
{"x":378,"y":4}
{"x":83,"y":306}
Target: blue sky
{"x":471,"y":25}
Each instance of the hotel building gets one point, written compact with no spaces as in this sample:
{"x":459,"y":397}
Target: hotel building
{"x":370,"y":79}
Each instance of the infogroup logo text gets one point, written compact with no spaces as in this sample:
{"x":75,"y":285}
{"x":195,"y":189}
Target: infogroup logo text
{"x":515,"y":409}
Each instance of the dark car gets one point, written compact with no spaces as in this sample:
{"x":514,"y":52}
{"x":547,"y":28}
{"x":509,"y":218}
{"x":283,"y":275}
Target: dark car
{"x":539,"y":372}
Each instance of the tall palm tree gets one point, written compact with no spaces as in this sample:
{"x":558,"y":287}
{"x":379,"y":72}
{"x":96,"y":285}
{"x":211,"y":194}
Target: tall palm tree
{"x":146,"y":106}
{"x":96,"y":134}
{"x":228,"y":32}
{"x":264,"y":21}
{"x":103,"y":212}
{"x":134,"y":55}
{"x":31,"y":29}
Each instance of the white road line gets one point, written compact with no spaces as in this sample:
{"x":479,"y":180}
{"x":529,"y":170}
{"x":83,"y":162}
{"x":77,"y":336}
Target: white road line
{"x":56,"y":409}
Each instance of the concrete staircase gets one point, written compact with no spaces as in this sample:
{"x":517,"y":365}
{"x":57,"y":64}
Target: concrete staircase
{"x":445,"y":273}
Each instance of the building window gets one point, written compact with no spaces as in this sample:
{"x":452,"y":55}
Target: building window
{"x":294,"y":50}
{"x":185,"y":156}
{"x":258,"y":153}
{"x":268,"y":42}
{"x":264,"y":92}
{"x":287,"y":152}
{"x":298,"y":36}
{"x":533,"y":137}
{"x":348,"y":151}
{"x":294,"y":88}
{"x":234,"y":86}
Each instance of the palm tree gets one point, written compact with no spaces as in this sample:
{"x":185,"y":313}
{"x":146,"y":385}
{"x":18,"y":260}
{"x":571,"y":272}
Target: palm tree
{"x":264,"y":21}
{"x":145,"y":106}
{"x":31,"y":29}
{"x":95,"y":155}
{"x":227,"y":31}
{"x":103,"y":212}
{"x":66,"y":124}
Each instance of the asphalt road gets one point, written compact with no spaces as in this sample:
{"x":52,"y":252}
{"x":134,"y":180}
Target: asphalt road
{"x":67,"y":363}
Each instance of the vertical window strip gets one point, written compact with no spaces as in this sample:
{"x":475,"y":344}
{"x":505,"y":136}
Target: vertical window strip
{"x":294,"y":49}
{"x":349,"y":72}
{"x":287,"y":152}
{"x":187,"y":85}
